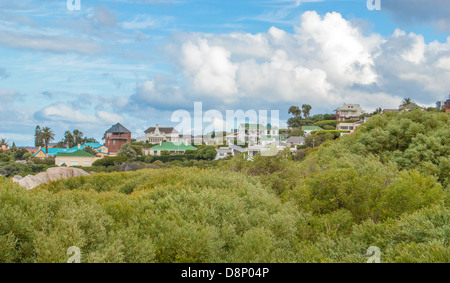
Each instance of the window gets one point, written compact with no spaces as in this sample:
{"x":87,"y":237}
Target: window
{"x":74,"y":163}
{"x":62,"y":163}
{"x":87,"y":163}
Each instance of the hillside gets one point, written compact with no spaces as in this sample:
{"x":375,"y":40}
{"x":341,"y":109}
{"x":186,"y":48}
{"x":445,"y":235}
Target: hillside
{"x":387,"y":185}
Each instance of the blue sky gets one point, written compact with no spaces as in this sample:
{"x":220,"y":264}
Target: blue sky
{"x":137,"y":61}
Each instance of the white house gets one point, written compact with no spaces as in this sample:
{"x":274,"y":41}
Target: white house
{"x":253,"y":133}
{"x":349,"y":112}
{"x":294,"y":141}
{"x":160,"y":134}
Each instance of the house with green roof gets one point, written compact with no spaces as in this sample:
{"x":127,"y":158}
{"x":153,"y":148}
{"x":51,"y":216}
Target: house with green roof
{"x":309,"y":129}
{"x":173,"y":148}
{"x":75,"y":158}
{"x":101,"y":149}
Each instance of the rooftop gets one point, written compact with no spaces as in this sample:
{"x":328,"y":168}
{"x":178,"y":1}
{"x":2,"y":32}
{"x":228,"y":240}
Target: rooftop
{"x":79,"y":153}
{"x":118,"y":128}
{"x":170,"y":146}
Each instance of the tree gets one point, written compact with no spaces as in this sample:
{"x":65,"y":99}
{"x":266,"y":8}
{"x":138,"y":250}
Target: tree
{"x":127,"y":151}
{"x":78,"y":137}
{"x":294,"y":122}
{"x":206,"y":153}
{"x":297,"y":132}
{"x":306,"y":109}
{"x":89,"y":140}
{"x":38,"y":140}
{"x":3,"y":142}
{"x":295,"y":110}
{"x":69,"y":140}
{"x":406,"y":101}
{"x":60,"y":144}
{"x":90,"y":150}
{"x":47,"y":135}
{"x":377,"y":111}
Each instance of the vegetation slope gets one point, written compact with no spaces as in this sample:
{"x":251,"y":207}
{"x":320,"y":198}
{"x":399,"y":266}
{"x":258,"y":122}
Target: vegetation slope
{"x":387,"y":185}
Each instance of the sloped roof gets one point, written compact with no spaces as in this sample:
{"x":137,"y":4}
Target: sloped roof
{"x":167,"y":130}
{"x":79,"y":153}
{"x":118,"y":128}
{"x":170,"y":146}
{"x":54,"y":151}
{"x":295,"y":140}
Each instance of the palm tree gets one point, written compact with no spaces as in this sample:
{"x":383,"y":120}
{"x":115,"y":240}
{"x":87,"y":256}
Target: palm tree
{"x":378,"y":111}
{"x":47,"y":135}
{"x":306,"y":109}
{"x":295,"y":110}
{"x":406,"y":101}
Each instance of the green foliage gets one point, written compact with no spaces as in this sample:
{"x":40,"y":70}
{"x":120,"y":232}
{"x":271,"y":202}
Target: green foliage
{"x":206,"y":153}
{"x":324,"y":123}
{"x":46,"y":161}
{"x":386,"y":185}
{"x":138,"y":149}
{"x":167,"y":215}
{"x":296,"y":132}
{"x":127,"y":150}
{"x":110,"y":161}
{"x":90,"y":150}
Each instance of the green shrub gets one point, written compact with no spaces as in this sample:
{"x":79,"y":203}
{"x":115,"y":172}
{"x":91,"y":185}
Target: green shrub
{"x":110,"y":161}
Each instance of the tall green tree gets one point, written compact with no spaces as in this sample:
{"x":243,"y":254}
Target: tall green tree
{"x":69,"y":140}
{"x":306,"y":109}
{"x":295,"y":110}
{"x":78,"y":136}
{"x":47,"y":135}
{"x":128,"y":151}
{"x":38,"y":140}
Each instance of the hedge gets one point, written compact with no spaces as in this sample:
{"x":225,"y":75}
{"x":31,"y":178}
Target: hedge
{"x":166,"y":158}
{"x":336,"y":133}
{"x":110,"y":161}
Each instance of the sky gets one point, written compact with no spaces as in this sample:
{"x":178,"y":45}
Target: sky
{"x":138,"y":61}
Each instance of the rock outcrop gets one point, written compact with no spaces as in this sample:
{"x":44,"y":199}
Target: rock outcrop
{"x":52,"y":174}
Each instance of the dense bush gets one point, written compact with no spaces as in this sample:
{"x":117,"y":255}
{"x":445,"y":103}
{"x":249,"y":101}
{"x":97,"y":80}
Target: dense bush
{"x":46,"y":161}
{"x":110,"y":161}
{"x":10,"y":169}
{"x":168,"y":158}
{"x":206,"y":153}
{"x":386,"y":185}
{"x":169,"y":215}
